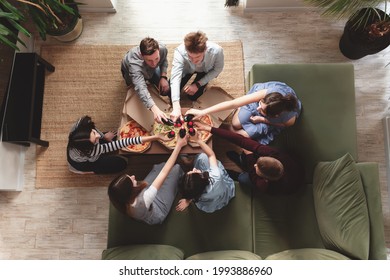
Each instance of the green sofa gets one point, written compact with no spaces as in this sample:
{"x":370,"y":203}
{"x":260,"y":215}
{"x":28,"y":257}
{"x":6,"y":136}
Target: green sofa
{"x":337,"y":216}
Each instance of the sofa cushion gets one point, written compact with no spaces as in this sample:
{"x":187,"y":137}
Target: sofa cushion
{"x":225,"y":255}
{"x":218,"y":230}
{"x":341,"y":207}
{"x":143,"y":252}
{"x":307,"y":254}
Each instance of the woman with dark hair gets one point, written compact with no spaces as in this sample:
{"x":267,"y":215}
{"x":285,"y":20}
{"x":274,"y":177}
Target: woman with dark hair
{"x":262,"y":113}
{"x":151,"y":199}
{"x":90,"y":151}
{"x":208,"y":184}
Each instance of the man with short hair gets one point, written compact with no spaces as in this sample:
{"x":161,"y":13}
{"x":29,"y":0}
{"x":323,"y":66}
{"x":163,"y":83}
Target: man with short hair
{"x":147,"y":64}
{"x":196,"y":55}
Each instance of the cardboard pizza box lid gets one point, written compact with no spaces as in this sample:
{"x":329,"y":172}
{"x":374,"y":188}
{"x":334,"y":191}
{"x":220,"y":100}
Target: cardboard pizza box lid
{"x":136,"y":110}
{"x":214,"y":95}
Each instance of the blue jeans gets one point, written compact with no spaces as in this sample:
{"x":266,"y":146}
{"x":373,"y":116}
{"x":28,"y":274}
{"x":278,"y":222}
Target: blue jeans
{"x":244,"y":179}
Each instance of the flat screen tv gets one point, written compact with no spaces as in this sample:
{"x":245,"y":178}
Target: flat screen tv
{"x":6,"y":61}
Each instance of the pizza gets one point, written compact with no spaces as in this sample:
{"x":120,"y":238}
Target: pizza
{"x":166,"y":128}
{"x":133,"y":129}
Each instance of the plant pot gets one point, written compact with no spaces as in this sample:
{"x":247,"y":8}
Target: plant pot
{"x":356,"y":42}
{"x":72,"y":34}
{"x":71,"y":28}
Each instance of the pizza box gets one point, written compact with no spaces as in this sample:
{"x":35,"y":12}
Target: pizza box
{"x":210,"y":97}
{"x":135,"y":109}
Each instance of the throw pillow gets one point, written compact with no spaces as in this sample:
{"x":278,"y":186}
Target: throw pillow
{"x":143,"y":252}
{"x":341,"y":208}
{"x":307,"y":254}
{"x":225,"y":255}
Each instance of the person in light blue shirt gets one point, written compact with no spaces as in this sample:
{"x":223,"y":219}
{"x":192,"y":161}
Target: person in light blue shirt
{"x":263,"y":120}
{"x":262,"y":113}
{"x":208,"y":184}
{"x":196,"y":55}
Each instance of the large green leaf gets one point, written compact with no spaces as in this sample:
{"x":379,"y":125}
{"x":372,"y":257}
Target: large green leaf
{"x":344,"y":8}
{"x":10,"y":25}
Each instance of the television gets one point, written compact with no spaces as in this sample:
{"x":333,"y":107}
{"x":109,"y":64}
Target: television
{"x":6,"y":62}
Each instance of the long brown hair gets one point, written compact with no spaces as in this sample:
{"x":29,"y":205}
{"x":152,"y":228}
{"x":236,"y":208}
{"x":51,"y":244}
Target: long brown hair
{"x":277,"y":103}
{"x":122,"y":192}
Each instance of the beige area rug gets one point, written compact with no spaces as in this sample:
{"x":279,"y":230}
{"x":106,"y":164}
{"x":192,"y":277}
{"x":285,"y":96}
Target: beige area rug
{"x":87,"y":81}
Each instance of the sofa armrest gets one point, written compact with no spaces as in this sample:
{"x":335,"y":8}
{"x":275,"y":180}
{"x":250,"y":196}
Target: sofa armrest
{"x":370,"y":177}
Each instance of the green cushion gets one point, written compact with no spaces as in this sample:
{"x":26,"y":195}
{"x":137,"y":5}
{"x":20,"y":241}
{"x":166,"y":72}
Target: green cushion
{"x":307,"y":254}
{"x":341,"y":207}
{"x":225,"y":255}
{"x":285,"y":222}
{"x":369,"y":172}
{"x":143,"y":252}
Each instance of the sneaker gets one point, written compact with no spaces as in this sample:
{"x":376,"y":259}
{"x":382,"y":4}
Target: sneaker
{"x":233,"y":174}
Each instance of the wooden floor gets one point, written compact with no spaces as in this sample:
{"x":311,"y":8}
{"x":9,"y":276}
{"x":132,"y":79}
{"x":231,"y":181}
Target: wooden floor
{"x":72,"y":223}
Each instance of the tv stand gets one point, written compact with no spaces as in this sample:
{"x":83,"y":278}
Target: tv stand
{"x":23,"y":109}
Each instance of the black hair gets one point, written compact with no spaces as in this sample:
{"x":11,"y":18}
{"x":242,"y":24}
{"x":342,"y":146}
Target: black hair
{"x":79,"y":137}
{"x":192,"y":185}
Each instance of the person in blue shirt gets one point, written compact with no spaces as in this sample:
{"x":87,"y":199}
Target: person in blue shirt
{"x":208,"y":184}
{"x":262,"y":113}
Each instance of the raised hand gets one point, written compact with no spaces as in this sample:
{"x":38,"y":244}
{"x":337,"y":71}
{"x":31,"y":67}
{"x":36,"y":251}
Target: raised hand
{"x":181,"y":142}
{"x":202,"y":126}
{"x":196,"y":112}
{"x":110,"y":135}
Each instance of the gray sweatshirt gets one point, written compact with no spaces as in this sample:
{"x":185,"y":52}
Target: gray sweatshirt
{"x":137,"y":72}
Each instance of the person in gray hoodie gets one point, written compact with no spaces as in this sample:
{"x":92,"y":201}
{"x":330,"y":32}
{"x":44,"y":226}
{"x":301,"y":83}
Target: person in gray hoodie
{"x":147,"y":64}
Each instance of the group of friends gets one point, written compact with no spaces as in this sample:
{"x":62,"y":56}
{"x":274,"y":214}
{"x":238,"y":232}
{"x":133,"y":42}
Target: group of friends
{"x":259,"y":117}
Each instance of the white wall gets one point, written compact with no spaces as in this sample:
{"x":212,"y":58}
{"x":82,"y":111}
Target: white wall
{"x":11,"y":166}
{"x":263,"y":5}
{"x":98,"y":6}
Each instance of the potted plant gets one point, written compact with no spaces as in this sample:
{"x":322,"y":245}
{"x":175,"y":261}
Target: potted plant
{"x":231,"y":3}
{"x":367,"y":30}
{"x":57,"y":18}
{"x":10,"y":25}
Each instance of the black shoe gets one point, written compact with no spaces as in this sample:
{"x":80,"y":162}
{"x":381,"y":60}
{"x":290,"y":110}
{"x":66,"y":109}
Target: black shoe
{"x":235,"y":157}
{"x":233,"y":174}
